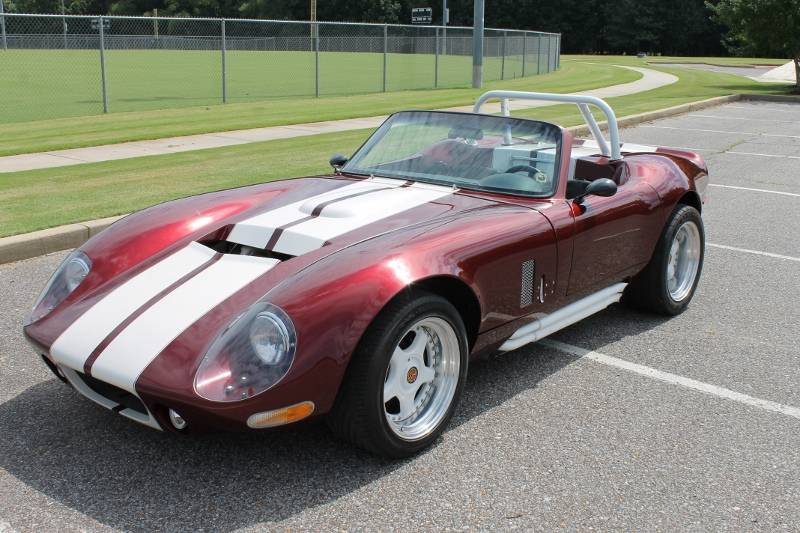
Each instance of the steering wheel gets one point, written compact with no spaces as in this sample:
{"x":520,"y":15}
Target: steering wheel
{"x":532,"y":171}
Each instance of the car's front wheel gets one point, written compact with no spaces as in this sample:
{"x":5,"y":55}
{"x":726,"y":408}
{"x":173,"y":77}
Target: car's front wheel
{"x":668,"y":282}
{"x":405,"y":378}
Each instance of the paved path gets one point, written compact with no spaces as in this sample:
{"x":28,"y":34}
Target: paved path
{"x":751,"y":72}
{"x":651,"y":79}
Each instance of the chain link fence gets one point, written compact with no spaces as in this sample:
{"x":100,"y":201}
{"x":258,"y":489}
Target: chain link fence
{"x":54,"y":66}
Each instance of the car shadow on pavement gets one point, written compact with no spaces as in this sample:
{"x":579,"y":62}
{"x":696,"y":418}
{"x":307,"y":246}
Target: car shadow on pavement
{"x":130,"y":477}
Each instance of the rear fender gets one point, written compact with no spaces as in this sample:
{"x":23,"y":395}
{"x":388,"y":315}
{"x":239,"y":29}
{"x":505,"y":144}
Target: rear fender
{"x":673,"y":177}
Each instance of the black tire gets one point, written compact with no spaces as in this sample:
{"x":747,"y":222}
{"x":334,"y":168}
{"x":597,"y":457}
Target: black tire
{"x":649,"y":290}
{"x":358,"y":414}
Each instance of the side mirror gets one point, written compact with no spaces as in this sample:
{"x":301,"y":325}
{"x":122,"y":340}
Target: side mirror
{"x":337,"y":161}
{"x":599,"y":187}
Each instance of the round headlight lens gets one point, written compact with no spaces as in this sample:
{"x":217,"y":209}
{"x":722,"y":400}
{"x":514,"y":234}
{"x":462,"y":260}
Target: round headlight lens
{"x":251,"y":355}
{"x":269,"y":337}
{"x":71,"y":273}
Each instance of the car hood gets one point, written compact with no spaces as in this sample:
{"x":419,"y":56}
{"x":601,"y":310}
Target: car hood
{"x":306,"y":218}
{"x":350,"y":211}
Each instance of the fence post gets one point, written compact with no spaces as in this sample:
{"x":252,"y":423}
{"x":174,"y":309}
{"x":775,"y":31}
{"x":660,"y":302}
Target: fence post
{"x":224,"y":69}
{"x":385,"y":52}
{"x":436,"y":62}
{"x":503,"y":61}
{"x":3,"y":26}
{"x":315,"y":28}
{"x":100,"y":25}
{"x":558,"y":51}
{"x":549,"y":38}
{"x":524,"y":50}
{"x":539,"y":53}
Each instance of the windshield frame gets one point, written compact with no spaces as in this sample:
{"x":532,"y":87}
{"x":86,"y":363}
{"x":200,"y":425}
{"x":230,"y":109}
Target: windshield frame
{"x":379,"y":132}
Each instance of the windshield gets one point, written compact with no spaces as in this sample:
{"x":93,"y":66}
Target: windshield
{"x":483,"y":152}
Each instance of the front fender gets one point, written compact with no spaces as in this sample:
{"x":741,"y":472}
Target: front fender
{"x":333,"y":301}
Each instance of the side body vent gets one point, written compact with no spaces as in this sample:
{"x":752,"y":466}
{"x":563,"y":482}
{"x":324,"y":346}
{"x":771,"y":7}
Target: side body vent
{"x":526,"y":287}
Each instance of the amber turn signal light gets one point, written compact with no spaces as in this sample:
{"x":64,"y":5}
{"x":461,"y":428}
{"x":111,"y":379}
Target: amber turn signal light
{"x":279,"y":417}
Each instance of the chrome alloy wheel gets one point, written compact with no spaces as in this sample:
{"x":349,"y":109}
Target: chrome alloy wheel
{"x":684,"y":261}
{"x":422,"y":378}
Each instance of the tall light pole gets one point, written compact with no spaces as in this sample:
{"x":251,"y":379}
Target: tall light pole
{"x":445,"y":20}
{"x":313,"y":18}
{"x":477,"y":45}
{"x":64,"y":24}
{"x":3,"y":27}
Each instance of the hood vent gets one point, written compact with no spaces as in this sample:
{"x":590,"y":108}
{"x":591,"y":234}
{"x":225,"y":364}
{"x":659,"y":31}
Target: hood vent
{"x":233,"y":248}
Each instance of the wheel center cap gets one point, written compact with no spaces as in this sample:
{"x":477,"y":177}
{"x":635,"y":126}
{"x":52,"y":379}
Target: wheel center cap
{"x":412,"y":374}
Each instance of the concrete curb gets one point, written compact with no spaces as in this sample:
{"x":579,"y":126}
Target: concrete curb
{"x":27,"y":245}
{"x":633,"y":120}
{"x":787,"y":98}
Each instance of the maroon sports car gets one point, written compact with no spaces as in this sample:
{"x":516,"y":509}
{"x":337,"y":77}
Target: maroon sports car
{"x":362,"y":295}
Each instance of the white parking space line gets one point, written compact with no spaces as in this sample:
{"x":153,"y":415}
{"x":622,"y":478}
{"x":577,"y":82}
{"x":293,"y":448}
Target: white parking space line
{"x":742,"y":118}
{"x":760,"y":108}
{"x":766,"y":155}
{"x":691,"y":149}
{"x":756,"y":252}
{"x":721,"y":131}
{"x":5,"y":527}
{"x":673,"y":379}
{"x":752,"y":189}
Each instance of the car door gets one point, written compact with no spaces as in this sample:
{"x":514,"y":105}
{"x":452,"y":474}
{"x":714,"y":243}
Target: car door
{"x":612,"y":236}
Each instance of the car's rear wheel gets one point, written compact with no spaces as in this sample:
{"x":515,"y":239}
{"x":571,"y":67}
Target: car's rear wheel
{"x":405,"y":377}
{"x":668,"y":282}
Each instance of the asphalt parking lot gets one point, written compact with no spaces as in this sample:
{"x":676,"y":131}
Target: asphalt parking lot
{"x":703,"y":435}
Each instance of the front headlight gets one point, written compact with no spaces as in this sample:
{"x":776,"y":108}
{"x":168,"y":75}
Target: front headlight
{"x":72,"y":271}
{"x":249,"y":357}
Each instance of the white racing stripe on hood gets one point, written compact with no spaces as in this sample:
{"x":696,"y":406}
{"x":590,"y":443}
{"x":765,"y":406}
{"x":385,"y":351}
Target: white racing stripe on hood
{"x":257,"y":230}
{"x":126,"y":357}
{"x":77,"y":342}
{"x":351,"y":214}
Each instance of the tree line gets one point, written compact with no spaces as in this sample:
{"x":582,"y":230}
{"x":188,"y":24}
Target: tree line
{"x":678,"y":27}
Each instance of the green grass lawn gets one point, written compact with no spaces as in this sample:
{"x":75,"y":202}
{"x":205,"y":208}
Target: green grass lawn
{"x":46,"y":84}
{"x":50,"y":197}
{"x":28,"y":137}
{"x":43,"y":84}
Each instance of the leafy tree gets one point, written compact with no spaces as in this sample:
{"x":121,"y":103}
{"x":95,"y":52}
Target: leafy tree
{"x":678,"y":27}
{"x":769,"y":27}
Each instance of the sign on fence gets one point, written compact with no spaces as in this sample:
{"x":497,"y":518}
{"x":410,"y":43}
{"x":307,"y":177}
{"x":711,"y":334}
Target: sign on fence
{"x":96,"y":24}
{"x":421,"y":15}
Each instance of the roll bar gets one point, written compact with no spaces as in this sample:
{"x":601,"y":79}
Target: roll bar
{"x":582,"y":101}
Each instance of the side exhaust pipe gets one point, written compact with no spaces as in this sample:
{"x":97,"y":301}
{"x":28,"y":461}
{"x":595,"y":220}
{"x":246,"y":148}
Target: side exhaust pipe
{"x":566,"y":316}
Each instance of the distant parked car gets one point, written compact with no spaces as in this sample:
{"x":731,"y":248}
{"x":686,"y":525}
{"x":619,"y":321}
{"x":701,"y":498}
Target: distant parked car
{"x":361,"y":295}
{"x":641,"y":55}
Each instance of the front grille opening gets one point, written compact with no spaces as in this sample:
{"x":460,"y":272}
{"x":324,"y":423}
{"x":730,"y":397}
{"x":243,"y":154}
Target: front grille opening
{"x":115,"y":394}
{"x":53,"y":368}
